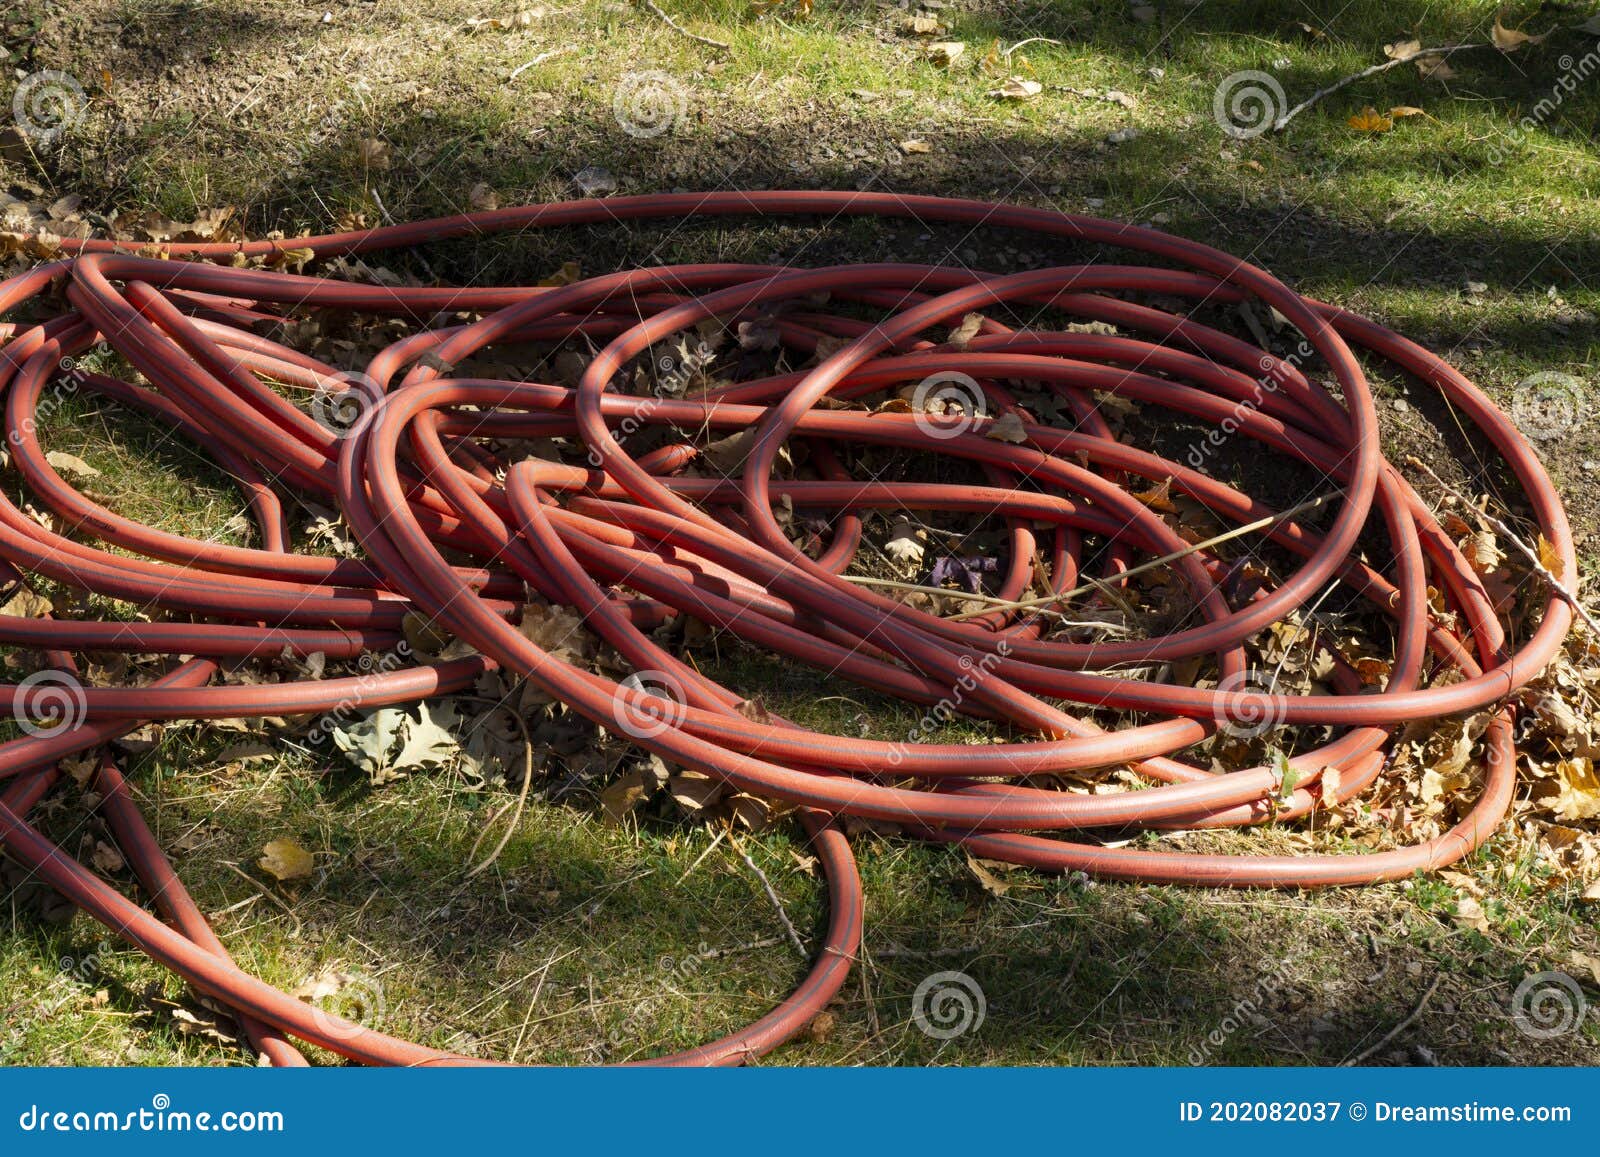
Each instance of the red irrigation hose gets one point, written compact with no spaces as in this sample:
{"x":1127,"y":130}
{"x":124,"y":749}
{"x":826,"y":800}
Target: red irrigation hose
{"x":630,"y":542}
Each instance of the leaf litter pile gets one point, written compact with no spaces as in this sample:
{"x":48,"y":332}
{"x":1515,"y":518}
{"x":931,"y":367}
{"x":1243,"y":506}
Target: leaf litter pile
{"x":1115,"y":546}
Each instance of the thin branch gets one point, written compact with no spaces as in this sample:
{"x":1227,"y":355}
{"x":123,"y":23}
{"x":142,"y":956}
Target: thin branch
{"x":700,"y":859}
{"x":1346,"y":82}
{"x":1566,"y":594}
{"x":681,"y":30}
{"x":1031,"y":40}
{"x":283,"y":905}
{"x":1164,"y":560}
{"x":777,"y":904}
{"x":1399,"y":1028}
{"x":536,"y":61}
{"x":993,"y":603}
{"x":522,"y":796}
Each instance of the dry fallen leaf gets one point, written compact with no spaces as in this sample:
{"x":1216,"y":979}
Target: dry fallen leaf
{"x":325,"y":983}
{"x":71,"y":464}
{"x":557,"y":630}
{"x":1370,"y":120}
{"x":620,"y":800}
{"x":1331,"y":781}
{"x":1159,"y":497}
{"x":1469,"y":914}
{"x":1510,"y":39}
{"x":1007,"y":428}
{"x":1017,"y":88}
{"x":569,"y":272}
{"x":748,"y":811}
{"x":1550,"y":559}
{"x":987,"y":880}
{"x":944,"y":53}
{"x":516,"y":20}
{"x":106,"y":858}
{"x":373,"y":153}
{"x":286,"y":860}
{"x":915,"y":145}
{"x":296,"y":258}
{"x":25,"y":604}
{"x":1434,"y":68}
{"x":1402,"y":48}
{"x":966,"y":331}
{"x":1580,"y":790}
{"x":694,"y":791}
{"x":1584,"y":962}
{"x":904,"y":543}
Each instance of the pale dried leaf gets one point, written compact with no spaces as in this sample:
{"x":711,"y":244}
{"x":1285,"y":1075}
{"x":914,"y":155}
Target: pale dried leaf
{"x":286,"y":860}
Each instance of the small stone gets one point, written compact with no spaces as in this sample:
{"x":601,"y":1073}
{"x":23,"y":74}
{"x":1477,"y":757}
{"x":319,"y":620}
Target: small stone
{"x":1401,"y":406}
{"x":1121,"y":136}
{"x":1155,"y":73}
{"x":1477,"y":287}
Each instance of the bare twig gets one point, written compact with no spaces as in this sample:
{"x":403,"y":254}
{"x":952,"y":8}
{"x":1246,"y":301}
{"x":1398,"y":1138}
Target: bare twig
{"x":1031,"y":40}
{"x":1560,"y":588}
{"x":700,"y":859}
{"x":1399,"y":1028}
{"x":1164,"y":560}
{"x":282,"y":905}
{"x":521,"y":800}
{"x":993,"y":603}
{"x":536,"y":61}
{"x":772,"y":895}
{"x":533,"y":1001}
{"x":680,"y":29}
{"x":1347,"y":81}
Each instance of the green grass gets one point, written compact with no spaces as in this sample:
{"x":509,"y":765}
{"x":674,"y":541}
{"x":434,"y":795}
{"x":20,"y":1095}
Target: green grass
{"x":574,"y":947}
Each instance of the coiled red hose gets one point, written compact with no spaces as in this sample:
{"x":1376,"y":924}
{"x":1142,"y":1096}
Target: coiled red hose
{"x":630,"y":541}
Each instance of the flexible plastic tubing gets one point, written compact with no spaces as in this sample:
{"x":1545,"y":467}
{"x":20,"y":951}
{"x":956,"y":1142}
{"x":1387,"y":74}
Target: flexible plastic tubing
{"x":455,"y":531}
